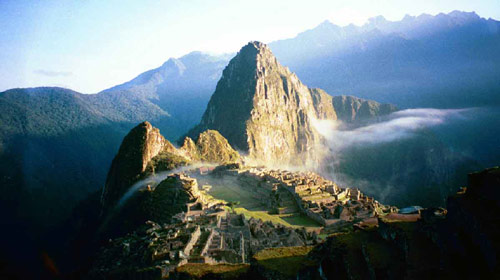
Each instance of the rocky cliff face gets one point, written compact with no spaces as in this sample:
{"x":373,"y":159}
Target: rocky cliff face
{"x":210,"y":146}
{"x":263,"y":108}
{"x":145,"y":151}
{"x":140,"y":145}
{"x":350,"y":108}
{"x":472,"y":231}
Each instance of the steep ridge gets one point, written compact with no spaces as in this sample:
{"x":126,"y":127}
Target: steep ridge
{"x":351,"y":109}
{"x":140,"y":145}
{"x":144,"y":151}
{"x":263,"y":109}
{"x":210,"y":146}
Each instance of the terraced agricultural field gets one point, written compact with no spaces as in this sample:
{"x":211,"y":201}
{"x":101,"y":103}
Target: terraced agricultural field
{"x":230,"y":190}
{"x":289,"y":220}
{"x":253,"y":202}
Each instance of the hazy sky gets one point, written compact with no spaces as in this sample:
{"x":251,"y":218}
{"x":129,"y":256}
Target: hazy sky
{"x":90,"y":45}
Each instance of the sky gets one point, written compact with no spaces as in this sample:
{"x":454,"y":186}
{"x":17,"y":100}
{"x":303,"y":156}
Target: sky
{"x":91,"y":45}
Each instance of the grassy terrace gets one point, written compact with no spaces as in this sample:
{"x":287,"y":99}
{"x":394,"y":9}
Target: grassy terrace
{"x":252,"y":203}
{"x":220,"y":271}
{"x":229,"y":189}
{"x":289,"y":220}
{"x":286,"y":260}
{"x":201,"y":243}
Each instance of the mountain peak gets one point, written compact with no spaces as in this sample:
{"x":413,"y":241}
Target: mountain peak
{"x":326,"y":24}
{"x":256,"y":51}
{"x":139,"y":146}
{"x":255,"y":45}
{"x":378,"y":20}
{"x":262,"y":108}
{"x":174,"y":65}
{"x":463,"y":14}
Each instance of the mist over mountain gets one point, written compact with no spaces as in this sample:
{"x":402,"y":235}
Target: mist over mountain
{"x":265,"y":111}
{"x":400,"y":158}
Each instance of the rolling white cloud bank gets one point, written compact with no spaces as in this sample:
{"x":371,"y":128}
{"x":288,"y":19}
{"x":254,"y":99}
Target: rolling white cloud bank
{"x":398,"y":125}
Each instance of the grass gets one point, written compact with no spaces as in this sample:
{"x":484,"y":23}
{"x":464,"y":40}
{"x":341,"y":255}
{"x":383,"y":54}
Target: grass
{"x":224,"y":271}
{"x":289,"y":220}
{"x":263,"y":215}
{"x":382,"y":255}
{"x":300,"y":220}
{"x":228,"y":189}
{"x":352,"y":244}
{"x":285,"y":260}
{"x":323,"y":236}
{"x":252,"y":204}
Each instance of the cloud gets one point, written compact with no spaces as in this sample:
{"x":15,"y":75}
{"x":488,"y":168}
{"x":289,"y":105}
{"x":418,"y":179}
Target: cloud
{"x":368,"y":169}
{"x":49,"y":73}
{"x":398,"y":125}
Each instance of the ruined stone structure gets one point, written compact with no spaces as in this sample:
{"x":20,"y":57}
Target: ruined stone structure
{"x":318,"y":198}
{"x":204,"y":233}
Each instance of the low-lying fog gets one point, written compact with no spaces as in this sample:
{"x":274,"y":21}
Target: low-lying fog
{"x":413,"y":156}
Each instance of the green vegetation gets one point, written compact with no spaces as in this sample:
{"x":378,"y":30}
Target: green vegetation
{"x":285,"y":260}
{"x":220,"y":271}
{"x":365,"y":248}
{"x":231,"y":205}
{"x":213,"y":147}
{"x":252,"y":203}
{"x":229,"y":189}
{"x":289,"y":220}
{"x":316,"y":196}
{"x":323,"y":236}
{"x":165,"y":161}
{"x":300,"y":220}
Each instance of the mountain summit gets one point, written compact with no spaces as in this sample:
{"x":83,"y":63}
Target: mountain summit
{"x":262,"y":108}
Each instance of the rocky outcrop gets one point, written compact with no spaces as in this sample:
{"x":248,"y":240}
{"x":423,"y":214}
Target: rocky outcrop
{"x":140,"y":145}
{"x":210,"y":146}
{"x":322,"y":102}
{"x":350,"y":108}
{"x":262,"y":108}
{"x":472,"y":229}
{"x":145,"y":151}
{"x":190,"y":149}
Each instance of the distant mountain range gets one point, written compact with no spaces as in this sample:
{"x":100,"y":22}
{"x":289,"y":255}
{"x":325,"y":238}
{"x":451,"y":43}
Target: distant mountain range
{"x":447,"y":60}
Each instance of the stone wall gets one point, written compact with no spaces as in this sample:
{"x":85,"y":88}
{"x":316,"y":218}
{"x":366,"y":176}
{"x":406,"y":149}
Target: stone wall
{"x":207,"y":244}
{"x":192,"y":240}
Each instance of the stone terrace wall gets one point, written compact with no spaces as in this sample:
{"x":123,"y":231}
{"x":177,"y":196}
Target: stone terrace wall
{"x":192,"y":240}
